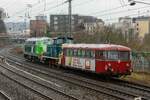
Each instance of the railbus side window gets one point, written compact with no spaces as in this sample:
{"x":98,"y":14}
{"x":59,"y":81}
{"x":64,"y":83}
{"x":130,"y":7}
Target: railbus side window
{"x":79,"y":52}
{"x":92,"y":54}
{"x":100,"y":55}
{"x":75,"y":52}
{"x":87,"y":54}
{"x":83,"y":53}
{"x":67,"y":52}
{"x":71,"y":52}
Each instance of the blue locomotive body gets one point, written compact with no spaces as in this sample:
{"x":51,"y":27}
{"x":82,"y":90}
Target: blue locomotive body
{"x":51,"y":56}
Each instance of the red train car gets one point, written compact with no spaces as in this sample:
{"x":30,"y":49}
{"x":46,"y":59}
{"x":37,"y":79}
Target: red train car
{"x":104,"y":59}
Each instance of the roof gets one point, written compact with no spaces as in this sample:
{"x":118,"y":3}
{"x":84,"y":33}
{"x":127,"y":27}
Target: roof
{"x":97,"y":46}
{"x":141,"y":18}
{"x":62,"y":37}
{"x":38,"y":38}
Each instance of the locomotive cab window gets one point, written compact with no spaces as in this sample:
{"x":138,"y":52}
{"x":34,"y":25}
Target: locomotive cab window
{"x":65,"y":52}
{"x":69,"y":41}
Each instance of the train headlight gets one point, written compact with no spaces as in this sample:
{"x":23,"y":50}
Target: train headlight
{"x":131,"y":70}
{"x":127,"y":65}
{"x":106,"y":67}
{"x":119,"y":61}
{"x":109,"y":64}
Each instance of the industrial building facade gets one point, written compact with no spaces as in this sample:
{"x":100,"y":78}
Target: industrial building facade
{"x":142,"y":25}
{"x":60,"y":23}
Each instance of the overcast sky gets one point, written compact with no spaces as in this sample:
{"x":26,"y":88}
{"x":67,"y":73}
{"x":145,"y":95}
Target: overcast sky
{"x":108,"y":10}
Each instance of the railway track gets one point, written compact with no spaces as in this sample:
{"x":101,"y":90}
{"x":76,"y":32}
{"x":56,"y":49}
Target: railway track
{"x":141,"y":88}
{"x":100,"y":87}
{"x":3,"y":96}
{"x":39,"y":87}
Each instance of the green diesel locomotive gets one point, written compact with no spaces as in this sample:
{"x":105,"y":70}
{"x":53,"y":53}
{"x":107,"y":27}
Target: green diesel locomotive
{"x":44,"y":49}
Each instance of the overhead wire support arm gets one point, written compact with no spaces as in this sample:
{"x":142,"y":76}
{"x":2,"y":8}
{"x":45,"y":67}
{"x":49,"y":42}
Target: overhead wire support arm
{"x":133,"y":2}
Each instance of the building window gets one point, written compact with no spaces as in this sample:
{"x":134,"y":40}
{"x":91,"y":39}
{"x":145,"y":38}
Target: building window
{"x":72,"y":22}
{"x":66,"y":17}
{"x":72,"y":27}
{"x":55,"y":18}
{"x":56,"y":28}
{"x":67,"y":21}
{"x":72,"y":17}
{"x":55,"y":22}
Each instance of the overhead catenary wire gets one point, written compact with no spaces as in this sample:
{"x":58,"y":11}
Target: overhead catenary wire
{"x":33,"y":5}
{"x":116,"y":18}
{"x":19,"y":12}
{"x":52,"y":7}
{"x":122,"y":11}
{"x":98,"y":13}
{"x":83,"y":3}
{"x":108,"y":10}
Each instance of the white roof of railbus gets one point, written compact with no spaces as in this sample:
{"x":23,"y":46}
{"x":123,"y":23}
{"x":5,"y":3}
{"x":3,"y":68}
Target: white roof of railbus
{"x":97,"y":46}
{"x":38,"y":38}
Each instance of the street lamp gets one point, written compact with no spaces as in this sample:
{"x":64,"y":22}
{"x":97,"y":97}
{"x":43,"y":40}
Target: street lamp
{"x":133,"y":2}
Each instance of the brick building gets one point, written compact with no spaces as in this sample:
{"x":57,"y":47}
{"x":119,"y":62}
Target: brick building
{"x":38,"y":28}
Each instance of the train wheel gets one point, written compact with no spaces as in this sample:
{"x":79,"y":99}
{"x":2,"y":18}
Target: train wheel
{"x":50,"y":64}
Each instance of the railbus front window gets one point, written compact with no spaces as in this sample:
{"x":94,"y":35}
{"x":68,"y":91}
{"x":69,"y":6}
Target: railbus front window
{"x":124,"y":55}
{"x":102,"y":55}
{"x":69,"y":41}
{"x":112,"y":55}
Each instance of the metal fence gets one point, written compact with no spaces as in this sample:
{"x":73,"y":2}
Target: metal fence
{"x":141,"y":62}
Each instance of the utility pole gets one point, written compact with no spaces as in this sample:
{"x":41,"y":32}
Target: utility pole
{"x":70,"y":18}
{"x":44,"y":5}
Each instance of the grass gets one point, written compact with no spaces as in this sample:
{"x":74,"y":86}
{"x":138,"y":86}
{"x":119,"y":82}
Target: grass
{"x":140,"y":77}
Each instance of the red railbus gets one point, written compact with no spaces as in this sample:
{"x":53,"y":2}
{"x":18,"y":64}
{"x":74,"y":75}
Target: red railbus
{"x":107,"y":59}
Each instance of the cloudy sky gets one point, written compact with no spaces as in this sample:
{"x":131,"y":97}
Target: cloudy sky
{"x":108,"y":10}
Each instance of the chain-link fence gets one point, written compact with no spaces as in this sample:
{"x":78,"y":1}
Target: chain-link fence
{"x":141,"y":62}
